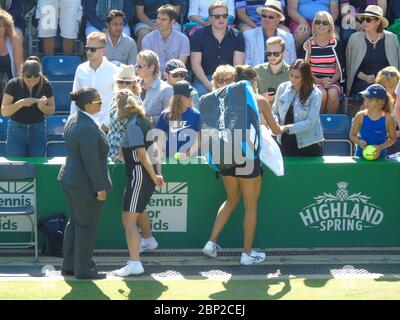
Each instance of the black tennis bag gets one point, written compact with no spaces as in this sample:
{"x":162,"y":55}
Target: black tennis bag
{"x":230,"y":124}
{"x":53,"y":229}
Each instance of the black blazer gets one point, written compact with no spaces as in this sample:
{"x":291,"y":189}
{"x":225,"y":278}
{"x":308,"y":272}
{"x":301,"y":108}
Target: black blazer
{"x":87,"y":149}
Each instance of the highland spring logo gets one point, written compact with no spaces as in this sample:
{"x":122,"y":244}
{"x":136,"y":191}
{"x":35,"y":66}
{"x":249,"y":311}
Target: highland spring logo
{"x":341,"y":212}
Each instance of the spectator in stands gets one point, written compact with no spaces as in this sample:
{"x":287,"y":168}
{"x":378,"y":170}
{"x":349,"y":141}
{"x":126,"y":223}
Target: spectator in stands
{"x":180,"y":123}
{"x":120,"y":48}
{"x":370,"y":50}
{"x":15,"y":8}
{"x":146,"y":12}
{"x":397,"y":105}
{"x":120,"y":111}
{"x":256,"y":47}
{"x":215,"y":45}
{"x":175,"y":70}
{"x":321,"y":54}
{"x":27,"y":99}
{"x":351,"y":23}
{"x":223,"y":76}
{"x":156,"y":93}
{"x":374,"y":125}
{"x":302,"y":13}
{"x":124,"y":79}
{"x":86,"y":181}
{"x":11,"y":51}
{"x":96,"y":12}
{"x":275,"y":71}
{"x":238,"y":184}
{"x":167,"y":42}
{"x":389,"y":78}
{"x":198,"y":14}
{"x":144,"y":175}
{"x":248,"y":15}
{"x":67,"y":15}
{"x":297,"y":111}
{"x":97,"y":73}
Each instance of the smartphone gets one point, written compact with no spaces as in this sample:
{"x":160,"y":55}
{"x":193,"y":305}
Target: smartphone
{"x":271,"y":90}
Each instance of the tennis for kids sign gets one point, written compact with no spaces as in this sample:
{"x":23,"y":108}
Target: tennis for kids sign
{"x":167,"y":207}
{"x":341,"y":212}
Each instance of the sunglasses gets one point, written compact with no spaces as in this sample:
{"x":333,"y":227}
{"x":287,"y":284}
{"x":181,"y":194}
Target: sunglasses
{"x":225,"y":81}
{"x":390,"y":74}
{"x":97,"y":102}
{"x":323,"y":22}
{"x":178,"y":75}
{"x":264,"y":16}
{"x":275,"y":54}
{"x":28,"y":76}
{"x":140,"y":66}
{"x":367,"y":19}
{"x":219,"y":16}
{"x":126,"y":82}
{"x":92,"y":49}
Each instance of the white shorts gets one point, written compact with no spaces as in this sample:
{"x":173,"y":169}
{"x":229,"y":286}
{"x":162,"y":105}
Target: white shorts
{"x":48,"y":13}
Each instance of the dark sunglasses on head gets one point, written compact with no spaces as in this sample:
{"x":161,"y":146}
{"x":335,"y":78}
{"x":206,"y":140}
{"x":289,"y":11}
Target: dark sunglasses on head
{"x":264,"y":16}
{"x":323,"y":22}
{"x":390,"y":74}
{"x":367,"y":19}
{"x":275,"y":54}
{"x":127,"y":82}
{"x":28,"y":75}
{"x":178,"y":75}
{"x":219,"y":16}
{"x":92,"y":49}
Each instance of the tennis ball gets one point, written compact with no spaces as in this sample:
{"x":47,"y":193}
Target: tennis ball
{"x":177,"y":156}
{"x":369,"y":153}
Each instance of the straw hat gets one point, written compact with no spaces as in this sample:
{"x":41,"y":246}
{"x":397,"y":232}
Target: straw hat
{"x":376,"y":12}
{"x":127,"y":73}
{"x":274,"y":6}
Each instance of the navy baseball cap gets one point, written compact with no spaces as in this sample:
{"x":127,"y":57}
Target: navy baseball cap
{"x":184,"y":88}
{"x":374,"y":91}
{"x":173,"y":66}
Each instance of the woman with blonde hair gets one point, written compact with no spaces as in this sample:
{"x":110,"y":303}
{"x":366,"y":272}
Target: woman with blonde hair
{"x":11,"y":51}
{"x":180,"y":122}
{"x":222,"y":76}
{"x":143,"y":173}
{"x":389,"y":78}
{"x":322,"y":54}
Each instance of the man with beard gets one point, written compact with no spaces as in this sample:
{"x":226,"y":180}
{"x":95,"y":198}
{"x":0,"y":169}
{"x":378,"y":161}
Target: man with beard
{"x":275,"y":71}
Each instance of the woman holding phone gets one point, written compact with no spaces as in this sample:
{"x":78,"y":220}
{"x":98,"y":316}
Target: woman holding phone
{"x":27,"y":99}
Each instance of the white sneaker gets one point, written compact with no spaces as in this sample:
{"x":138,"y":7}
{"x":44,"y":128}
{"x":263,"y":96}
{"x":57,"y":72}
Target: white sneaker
{"x":210,"y":249}
{"x":132,"y":267}
{"x":148,"y":244}
{"x":252,"y":257}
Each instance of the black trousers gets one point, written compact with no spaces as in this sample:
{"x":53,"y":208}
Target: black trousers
{"x":81,"y":231}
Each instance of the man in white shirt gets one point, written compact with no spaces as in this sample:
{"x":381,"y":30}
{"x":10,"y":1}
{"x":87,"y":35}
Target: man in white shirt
{"x":97,"y":73}
{"x":271,"y":15}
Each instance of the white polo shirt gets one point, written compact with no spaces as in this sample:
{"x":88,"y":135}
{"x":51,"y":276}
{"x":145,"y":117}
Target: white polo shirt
{"x":103,"y":81}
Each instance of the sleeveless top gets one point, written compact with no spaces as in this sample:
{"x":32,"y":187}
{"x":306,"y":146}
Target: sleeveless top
{"x":373,"y":132}
{"x":323,"y":60}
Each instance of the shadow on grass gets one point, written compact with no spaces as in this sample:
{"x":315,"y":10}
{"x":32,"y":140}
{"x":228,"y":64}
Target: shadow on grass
{"x":84,"y":290}
{"x":253,"y":290}
{"x":143,"y":290}
{"x":316,"y":283}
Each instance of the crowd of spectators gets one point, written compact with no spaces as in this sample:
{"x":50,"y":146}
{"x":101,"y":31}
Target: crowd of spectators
{"x":347,"y":44}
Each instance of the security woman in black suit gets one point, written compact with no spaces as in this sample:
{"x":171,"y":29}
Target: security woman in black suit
{"x":85,"y":180}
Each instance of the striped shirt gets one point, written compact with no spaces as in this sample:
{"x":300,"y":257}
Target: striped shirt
{"x":323,"y":60}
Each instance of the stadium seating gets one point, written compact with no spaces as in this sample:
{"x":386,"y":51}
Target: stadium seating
{"x":61,"y":91}
{"x":3,"y":136}
{"x":60,"y":68}
{"x":55,"y":141}
{"x":336,"y":128}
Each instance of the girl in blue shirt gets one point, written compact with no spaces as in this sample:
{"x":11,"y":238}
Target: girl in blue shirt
{"x":375,"y":125}
{"x":180,"y":122}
